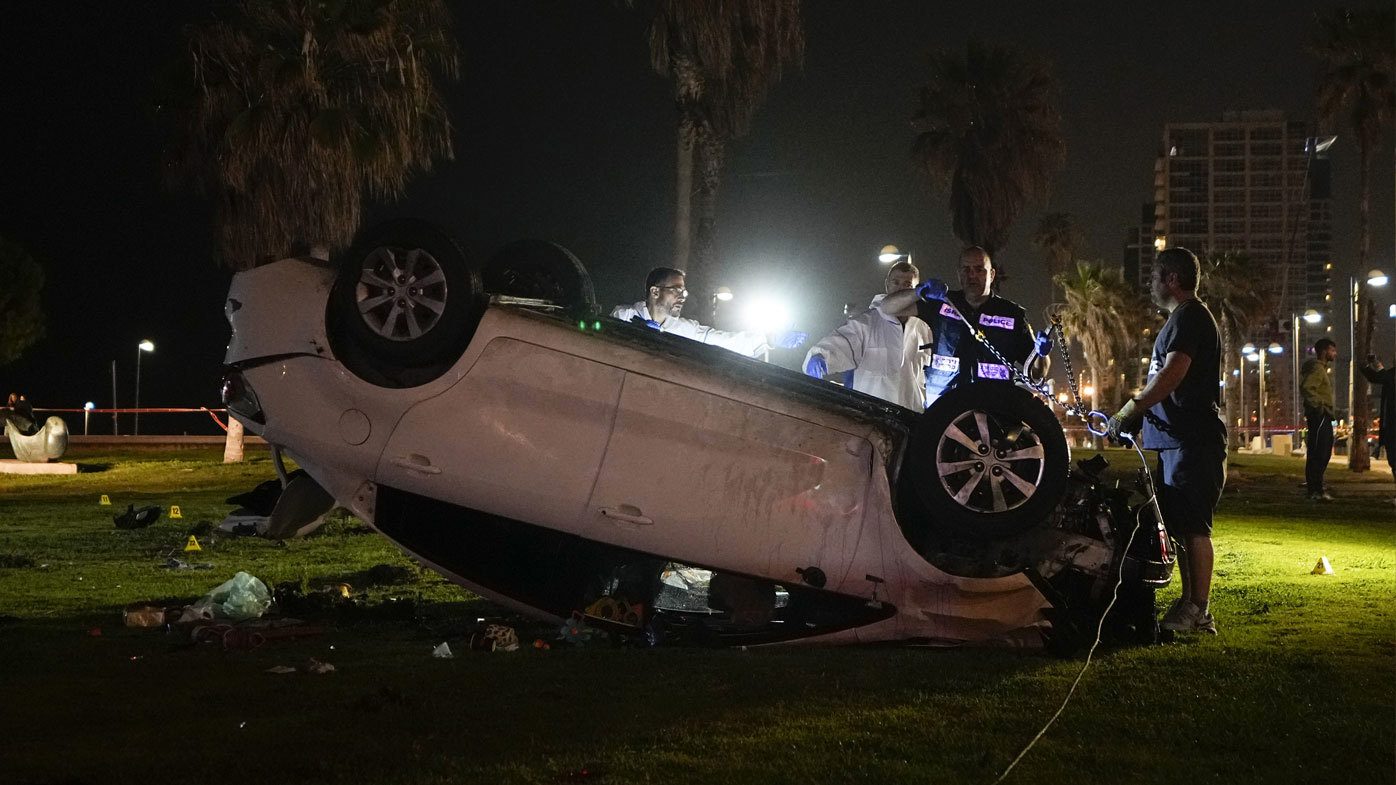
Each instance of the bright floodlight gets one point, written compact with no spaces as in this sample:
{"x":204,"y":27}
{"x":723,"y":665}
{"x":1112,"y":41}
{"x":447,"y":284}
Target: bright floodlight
{"x":89,"y":406}
{"x":1088,"y":391}
{"x":888,"y":254}
{"x":147,"y":346}
{"x":1376,"y":278}
{"x":1275,"y":348}
{"x":766,"y":315}
{"x":1248,"y":349}
{"x":723,"y":294}
{"x":1391,"y":310}
{"x":1160,"y":243}
{"x":1253,"y":357}
{"x":1313,"y":317}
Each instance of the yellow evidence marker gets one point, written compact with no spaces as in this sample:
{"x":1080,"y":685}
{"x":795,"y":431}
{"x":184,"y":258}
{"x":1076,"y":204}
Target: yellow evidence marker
{"x":192,"y":545}
{"x":105,"y":500}
{"x":174,"y":511}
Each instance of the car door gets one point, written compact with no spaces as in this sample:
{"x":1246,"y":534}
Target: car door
{"x":521,"y":435}
{"x":711,"y":480}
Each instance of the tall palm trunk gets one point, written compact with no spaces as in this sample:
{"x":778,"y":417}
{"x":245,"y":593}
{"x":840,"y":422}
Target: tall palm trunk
{"x":1359,"y":459}
{"x":683,"y":194}
{"x":233,"y":445}
{"x":688,"y":93}
{"x":711,"y":153}
{"x":1232,"y":397}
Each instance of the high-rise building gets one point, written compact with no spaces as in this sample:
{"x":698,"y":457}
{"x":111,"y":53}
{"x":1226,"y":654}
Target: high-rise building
{"x":1254,"y":183}
{"x":1139,"y":249}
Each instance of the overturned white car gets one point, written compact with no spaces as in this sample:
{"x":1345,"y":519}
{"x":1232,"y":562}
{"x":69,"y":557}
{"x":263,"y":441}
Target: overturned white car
{"x":489,"y":422}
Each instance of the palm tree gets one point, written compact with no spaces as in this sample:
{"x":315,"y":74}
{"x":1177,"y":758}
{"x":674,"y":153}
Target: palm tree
{"x":1098,"y":315}
{"x":1060,"y":240}
{"x":1358,"y":85}
{"x":290,"y":112}
{"x":1228,"y":287}
{"x":989,"y":130}
{"x":723,"y":56}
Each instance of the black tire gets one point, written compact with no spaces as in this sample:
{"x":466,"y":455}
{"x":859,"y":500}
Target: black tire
{"x":405,"y":305}
{"x":987,"y":485}
{"x":541,"y":270}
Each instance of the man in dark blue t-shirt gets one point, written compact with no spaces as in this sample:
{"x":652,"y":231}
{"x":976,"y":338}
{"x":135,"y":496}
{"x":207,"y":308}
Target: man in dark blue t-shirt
{"x":1179,"y":410}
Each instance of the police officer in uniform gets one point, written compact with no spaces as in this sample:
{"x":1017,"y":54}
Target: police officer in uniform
{"x":959,"y":358}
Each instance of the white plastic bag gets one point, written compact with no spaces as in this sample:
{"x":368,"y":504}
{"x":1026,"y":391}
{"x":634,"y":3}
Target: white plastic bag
{"x":241,"y":597}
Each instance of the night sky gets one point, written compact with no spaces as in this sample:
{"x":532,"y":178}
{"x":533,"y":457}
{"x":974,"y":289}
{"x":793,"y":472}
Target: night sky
{"x":564,"y":133}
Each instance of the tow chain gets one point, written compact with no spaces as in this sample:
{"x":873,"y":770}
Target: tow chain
{"x":1078,"y":407}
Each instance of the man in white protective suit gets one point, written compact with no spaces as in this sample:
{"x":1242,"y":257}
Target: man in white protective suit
{"x":664,"y":299}
{"x":884,"y":350}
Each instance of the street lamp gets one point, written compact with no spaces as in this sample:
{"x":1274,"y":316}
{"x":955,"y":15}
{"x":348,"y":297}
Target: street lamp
{"x":720,"y":295}
{"x":142,"y":347}
{"x":1247,"y":353}
{"x":1257,"y":356}
{"x":890,"y":254}
{"x":86,"y":413}
{"x":1310,"y":316}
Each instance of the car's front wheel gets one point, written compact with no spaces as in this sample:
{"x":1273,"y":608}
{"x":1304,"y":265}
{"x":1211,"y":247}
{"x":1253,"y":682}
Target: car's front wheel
{"x":405,"y":304}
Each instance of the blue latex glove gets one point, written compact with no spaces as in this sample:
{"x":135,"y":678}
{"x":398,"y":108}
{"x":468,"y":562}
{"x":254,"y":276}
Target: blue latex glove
{"x":790,"y":339}
{"x":816,"y":367}
{"x":643,"y":322}
{"x":933,"y":289}
{"x":1042,"y":344}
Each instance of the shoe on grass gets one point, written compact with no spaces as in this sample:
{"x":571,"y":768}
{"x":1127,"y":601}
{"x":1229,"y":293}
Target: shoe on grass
{"x":1187,"y":617}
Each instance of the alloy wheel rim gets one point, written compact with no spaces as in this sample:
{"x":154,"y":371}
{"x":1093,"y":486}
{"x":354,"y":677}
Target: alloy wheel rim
{"x":401,"y":293}
{"x":989,"y":465}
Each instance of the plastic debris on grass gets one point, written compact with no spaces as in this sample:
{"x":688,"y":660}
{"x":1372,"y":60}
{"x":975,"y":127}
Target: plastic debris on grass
{"x":139,"y":614}
{"x":241,"y":597}
{"x":495,"y":637}
{"x":576,"y":630}
{"x":442,"y":651}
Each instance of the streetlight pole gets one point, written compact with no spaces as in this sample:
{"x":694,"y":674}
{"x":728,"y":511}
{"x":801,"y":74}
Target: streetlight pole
{"x":143,"y":346}
{"x":1311,"y":316}
{"x":1248,"y":352}
{"x":115,"y":424}
{"x":1241,"y":394}
{"x":1273,"y":348}
{"x":1260,"y":401}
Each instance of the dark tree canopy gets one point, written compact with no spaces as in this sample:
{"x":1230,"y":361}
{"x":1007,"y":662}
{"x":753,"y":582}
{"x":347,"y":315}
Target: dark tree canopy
{"x":989,"y":130}
{"x":1357,"y":90}
{"x":21,"y":308}
{"x":723,"y":56}
{"x":290,"y":112}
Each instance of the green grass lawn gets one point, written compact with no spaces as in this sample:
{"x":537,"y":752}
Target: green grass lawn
{"x":1299,"y":687}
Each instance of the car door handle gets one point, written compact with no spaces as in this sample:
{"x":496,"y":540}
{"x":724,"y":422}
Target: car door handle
{"x":416,"y":463}
{"x":627,"y":514}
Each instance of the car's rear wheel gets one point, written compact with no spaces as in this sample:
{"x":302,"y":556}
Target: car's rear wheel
{"x":405,"y":305}
{"x":987,"y":460}
{"x":540,"y":270}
